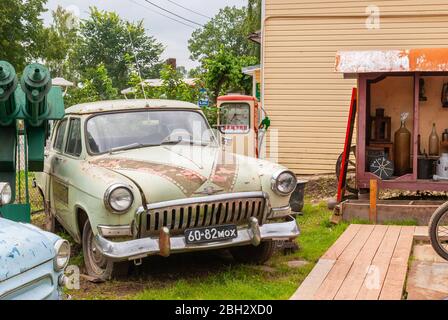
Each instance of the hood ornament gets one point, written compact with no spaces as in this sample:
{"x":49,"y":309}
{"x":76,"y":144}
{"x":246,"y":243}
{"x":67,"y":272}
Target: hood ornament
{"x":209,"y":190}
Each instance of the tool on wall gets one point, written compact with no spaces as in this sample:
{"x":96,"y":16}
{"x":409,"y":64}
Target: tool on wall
{"x":422,"y":93}
{"x":445,"y":95}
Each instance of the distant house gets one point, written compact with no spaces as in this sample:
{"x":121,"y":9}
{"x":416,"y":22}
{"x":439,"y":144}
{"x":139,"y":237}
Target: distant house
{"x":306,"y":100}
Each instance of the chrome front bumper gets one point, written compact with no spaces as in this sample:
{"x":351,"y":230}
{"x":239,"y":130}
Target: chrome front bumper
{"x":166,"y":245}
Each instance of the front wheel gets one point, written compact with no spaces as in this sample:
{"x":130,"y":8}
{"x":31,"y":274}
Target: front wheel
{"x":438,"y":230}
{"x":254,"y":255}
{"x":97,"y":265}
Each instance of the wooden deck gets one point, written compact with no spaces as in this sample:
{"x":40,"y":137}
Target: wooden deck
{"x":368,"y":262}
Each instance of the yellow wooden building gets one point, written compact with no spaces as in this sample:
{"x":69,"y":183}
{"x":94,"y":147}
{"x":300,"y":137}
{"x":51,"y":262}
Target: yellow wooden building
{"x":305,"y":98}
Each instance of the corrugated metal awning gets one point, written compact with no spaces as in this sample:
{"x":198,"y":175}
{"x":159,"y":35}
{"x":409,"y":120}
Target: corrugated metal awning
{"x":382,"y":61}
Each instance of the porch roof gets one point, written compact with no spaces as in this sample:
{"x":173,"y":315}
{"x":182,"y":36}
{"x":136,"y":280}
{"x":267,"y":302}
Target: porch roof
{"x":388,"y":61}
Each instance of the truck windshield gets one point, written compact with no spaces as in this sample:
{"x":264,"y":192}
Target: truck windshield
{"x":127,"y":130}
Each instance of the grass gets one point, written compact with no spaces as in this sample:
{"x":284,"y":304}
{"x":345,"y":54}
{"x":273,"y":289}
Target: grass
{"x":207,"y":276}
{"x":252,"y":282}
{"x":35,"y":196}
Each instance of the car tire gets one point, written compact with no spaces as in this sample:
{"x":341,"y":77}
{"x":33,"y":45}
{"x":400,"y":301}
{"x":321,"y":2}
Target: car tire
{"x":97,"y":265}
{"x":254,"y":255}
{"x":441,"y":214}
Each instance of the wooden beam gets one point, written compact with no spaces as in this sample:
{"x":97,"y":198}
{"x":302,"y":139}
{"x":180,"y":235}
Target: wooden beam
{"x":314,"y":280}
{"x":373,"y":282}
{"x":416,"y":125}
{"x":361,"y":127}
{"x":373,"y":198}
{"x":330,"y":286}
{"x":344,"y":240}
{"x":355,"y":278}
{"x":396,"y":275}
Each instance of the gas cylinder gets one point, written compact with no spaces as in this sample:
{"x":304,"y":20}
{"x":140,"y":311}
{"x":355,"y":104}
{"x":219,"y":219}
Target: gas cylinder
{"x":402,"y":148}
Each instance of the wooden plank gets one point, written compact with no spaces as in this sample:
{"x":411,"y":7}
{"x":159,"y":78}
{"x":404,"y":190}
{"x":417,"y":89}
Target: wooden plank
{"x":373,"y":198}
{"x":338,"y":247}
{"x":338,"y":273}
{"x":421,"y":233}
{"x":392,"y":211}
{"x":373,"y":282}
{"x":396,"y":275}
{"x":313,"y":281}
{"x":355,"y":278}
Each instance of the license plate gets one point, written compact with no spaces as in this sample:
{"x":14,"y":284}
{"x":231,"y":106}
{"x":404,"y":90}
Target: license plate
{"x":211,"y":234}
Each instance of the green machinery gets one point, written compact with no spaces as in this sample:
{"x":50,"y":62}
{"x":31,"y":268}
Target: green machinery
{"x":26,"y":107}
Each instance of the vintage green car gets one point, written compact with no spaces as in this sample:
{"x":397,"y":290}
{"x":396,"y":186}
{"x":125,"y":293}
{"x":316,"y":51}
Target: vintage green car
{"x":134,"y":178}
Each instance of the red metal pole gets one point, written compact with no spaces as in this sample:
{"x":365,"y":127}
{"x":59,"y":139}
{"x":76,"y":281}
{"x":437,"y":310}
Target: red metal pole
{"x":347,"y":146}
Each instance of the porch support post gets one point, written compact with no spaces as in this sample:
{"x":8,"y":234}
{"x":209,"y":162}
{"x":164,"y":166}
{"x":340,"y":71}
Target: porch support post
{"x":416,"y":125}
{"x":361,"y":129}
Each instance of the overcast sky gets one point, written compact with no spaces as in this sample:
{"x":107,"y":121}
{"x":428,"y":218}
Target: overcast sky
{"x":172,"y":34}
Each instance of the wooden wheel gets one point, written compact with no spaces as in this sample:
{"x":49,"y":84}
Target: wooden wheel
{"x":438,"y":231}
{"x":350,"y":169}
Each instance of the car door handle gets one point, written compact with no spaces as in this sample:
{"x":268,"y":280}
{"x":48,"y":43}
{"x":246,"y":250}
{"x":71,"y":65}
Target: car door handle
{"x":58,"y":159}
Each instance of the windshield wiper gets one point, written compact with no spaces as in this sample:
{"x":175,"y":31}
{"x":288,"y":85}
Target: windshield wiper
{"x":196,"y":142}
{"x":131,"y":146}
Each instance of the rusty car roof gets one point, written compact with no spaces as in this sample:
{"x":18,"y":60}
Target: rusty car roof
{"x":131,"y":104}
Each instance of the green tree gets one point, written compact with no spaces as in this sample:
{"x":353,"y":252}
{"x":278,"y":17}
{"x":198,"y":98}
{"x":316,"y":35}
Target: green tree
{"x":21,"y":31}
{"x":195,"y":72}
{"x":228,"y":30}
{"x":182,"y":71}
{"x":95,"y":86}
{"x":106,"y":38}
{"x":253,"y":20}
{"x":61,"y":37}
{"x":222,"y":73}
{"x":173,"y":87}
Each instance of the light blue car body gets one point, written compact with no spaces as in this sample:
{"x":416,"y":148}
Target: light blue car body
{"x":27,"y":263}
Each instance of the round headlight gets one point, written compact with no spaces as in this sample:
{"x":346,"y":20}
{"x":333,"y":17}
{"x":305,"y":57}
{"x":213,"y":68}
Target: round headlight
{"x":62,"y":248}
{"x":284,"y":182}
{"x":5,"y":193}
{"x":118,"y":198}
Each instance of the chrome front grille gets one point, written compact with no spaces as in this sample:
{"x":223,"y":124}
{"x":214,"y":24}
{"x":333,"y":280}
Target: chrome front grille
{"x":182,"y":214}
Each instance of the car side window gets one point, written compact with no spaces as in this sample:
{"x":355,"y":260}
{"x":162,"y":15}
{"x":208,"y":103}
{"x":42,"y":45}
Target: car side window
{"x":74,"y":145}
{"x":58,"y":142}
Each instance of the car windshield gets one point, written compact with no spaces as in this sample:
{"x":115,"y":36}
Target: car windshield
{"x":128,"y":130}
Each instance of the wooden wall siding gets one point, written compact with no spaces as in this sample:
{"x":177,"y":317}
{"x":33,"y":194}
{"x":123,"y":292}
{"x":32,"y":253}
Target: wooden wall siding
{"x":306,"y":99}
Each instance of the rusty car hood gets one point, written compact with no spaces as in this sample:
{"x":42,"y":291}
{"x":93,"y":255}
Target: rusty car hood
{"x":22,"y":247}
{"x":172,"y":172}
